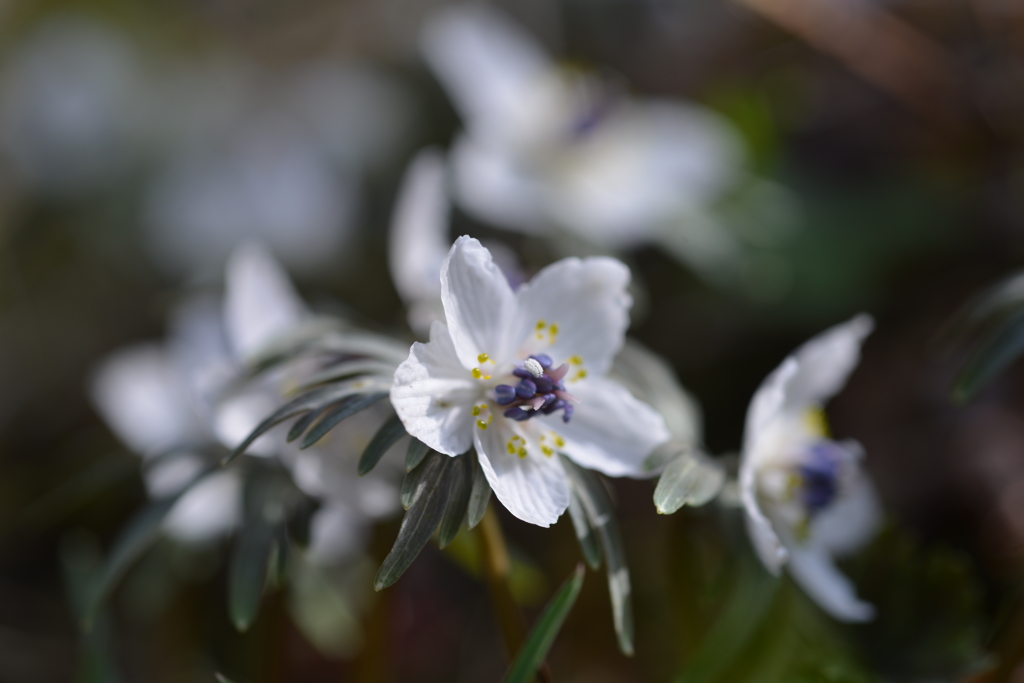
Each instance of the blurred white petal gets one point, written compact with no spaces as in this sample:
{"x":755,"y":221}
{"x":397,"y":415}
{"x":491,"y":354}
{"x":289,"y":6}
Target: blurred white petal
{"x":211,"y":508}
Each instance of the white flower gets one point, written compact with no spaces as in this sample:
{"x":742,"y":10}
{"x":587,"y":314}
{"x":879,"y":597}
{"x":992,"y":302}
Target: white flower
{"x":158,"y":397}
{"x":546,"y":146}
{"x":805,"y":495}
{"x":498,"y":374}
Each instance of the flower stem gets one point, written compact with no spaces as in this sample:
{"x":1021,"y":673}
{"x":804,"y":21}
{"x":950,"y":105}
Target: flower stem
{"x":497,"y":567}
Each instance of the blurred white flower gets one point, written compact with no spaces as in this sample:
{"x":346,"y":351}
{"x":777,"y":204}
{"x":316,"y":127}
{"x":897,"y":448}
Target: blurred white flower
{"x":550,"y":147}
{"x":181,"y":396}
{"x":497,"y":375}
{"x":806,"y":496}
{"x":71,"y":102}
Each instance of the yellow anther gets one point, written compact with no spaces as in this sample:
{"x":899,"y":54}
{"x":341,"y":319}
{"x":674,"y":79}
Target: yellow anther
{"x":482,"y":358}
{"x":481,"y":424}
{"x":546,"y":450}
{"x":522,"y":451}
{"x":475,"y":411}
{"x":581,"y":374}
{"x":554,"y":330}
{"x":559,"y":441}
{"x":477,"y":374}
{"x":816,"y":422}
{"x":575,"y":360}
{"x":511,"y":448}
{"x":541,"y":325}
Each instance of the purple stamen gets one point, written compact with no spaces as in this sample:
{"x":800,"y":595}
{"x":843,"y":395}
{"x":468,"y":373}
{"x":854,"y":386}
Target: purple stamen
{"x":522,"y":373}
{"x":526,"y":389}
{"x":567,"y":414}
{"x":518,"y":414}
{"x":544,"y":384}
{"x":504,"y":394}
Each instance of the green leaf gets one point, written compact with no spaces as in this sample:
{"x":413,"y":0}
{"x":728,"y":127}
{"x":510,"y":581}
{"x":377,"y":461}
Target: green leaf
{"x":261,"y":545}
{"x":414,"y":456}
{"x":601,"y":515}
{"x":589,"y":544}
{"x":390,"y":432}
{"x":300,"y":404}
{"x":348,"y":369}
{"x":347,"y":408}
{"x":749,"y":602}
{"x":999,"y":349}
{"x":221,"y":678}
{"x":458,"y":500}
{"x":133,"y":540}
{"x":691,"y":479}
{"x":545,"y":630}
{"x":479,"y":496}
{"x":425,"y":513}
{"x":303,"y":423}
{"x":411,"y":483}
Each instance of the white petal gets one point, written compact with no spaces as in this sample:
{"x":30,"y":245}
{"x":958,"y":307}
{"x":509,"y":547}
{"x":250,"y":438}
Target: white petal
{"x":486,"y":64}
{"x":851,"y":521}
{"x":652,"y":380}
{"x":140,"y":395}
{"x":826,"y":361}
{"x":763,"y":537}
{"x":588,"y":301}
{"x":479,"y":305}
{"x":491,"y":184}
{"x":211,"y":508}
{"x":260,"y":301}
{"x":610,"y":430}
{"x":336,"y":532}
{"x":767,"y":406}
{"x":170,"y":474}
{"x":816,"y":573}
{"x":238,"y":415}
{"x":433,"y":394}
{"x":418,"y":240}
{"x":533,"y":488}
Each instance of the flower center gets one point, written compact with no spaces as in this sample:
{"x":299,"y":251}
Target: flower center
{"x":540,"y":391}
{"x":819,"y":476}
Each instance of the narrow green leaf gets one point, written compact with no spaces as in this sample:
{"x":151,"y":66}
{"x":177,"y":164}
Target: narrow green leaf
{"x":419,"y":522}
{"x":411,"y":483}
{"x":414,"y":456}
{"x":348,"y":407}
{"x":480,"y":495}
{"x":348,"y":369}
{"x":134,"y":539}
{"x":458,"y":499}
{"x":601,"y":514}
{"x":303,"y":423}
{"x":691,"y":479}
{"x":221,"y":678}
{"x":1003,"y":346}
{"x":748,"y":606}
{"x":589,"y":543}
{"x":545,"y":630}
{"x":300,"y":404}
{"x":391,"y":431}
{"x":250,"y":566}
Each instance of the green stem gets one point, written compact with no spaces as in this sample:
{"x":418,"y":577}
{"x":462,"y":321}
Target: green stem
{"x":497,"y":568}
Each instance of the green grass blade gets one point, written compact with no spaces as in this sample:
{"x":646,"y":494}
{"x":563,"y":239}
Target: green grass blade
{"x":545,"y":630}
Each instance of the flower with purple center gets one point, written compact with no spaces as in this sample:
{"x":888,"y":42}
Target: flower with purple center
{"x":806,"y":497}
{"x":521,"y":377}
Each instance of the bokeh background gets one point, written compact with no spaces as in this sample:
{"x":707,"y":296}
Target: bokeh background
{"x":141,"y":142}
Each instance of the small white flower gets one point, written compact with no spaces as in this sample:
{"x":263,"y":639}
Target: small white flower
{"x":546,"y":146}
{"x":806,"y":497}
{"x":469,"y":387}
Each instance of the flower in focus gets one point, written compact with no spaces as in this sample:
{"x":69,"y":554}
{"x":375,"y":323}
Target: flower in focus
{"x":548,"y":146}
{"x":521,"y":377}
{"x":806,"y":496}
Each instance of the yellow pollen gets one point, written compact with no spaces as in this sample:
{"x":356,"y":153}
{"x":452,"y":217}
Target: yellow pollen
{"x":475,"y":410}
{"x":511,"y":448}
{"x":522,"y":451}
{"x":559,"y":441}
{"x":541,"y":325}
{"x":477,"y":374}
{"x":546,"y":450}
{"x":482,"y":358}
{"x":575,"y":360}
{"x":816,"y":422}
{"x":481,"y":424}
{"x":554,"y":330}
{"x":580,"y":375}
